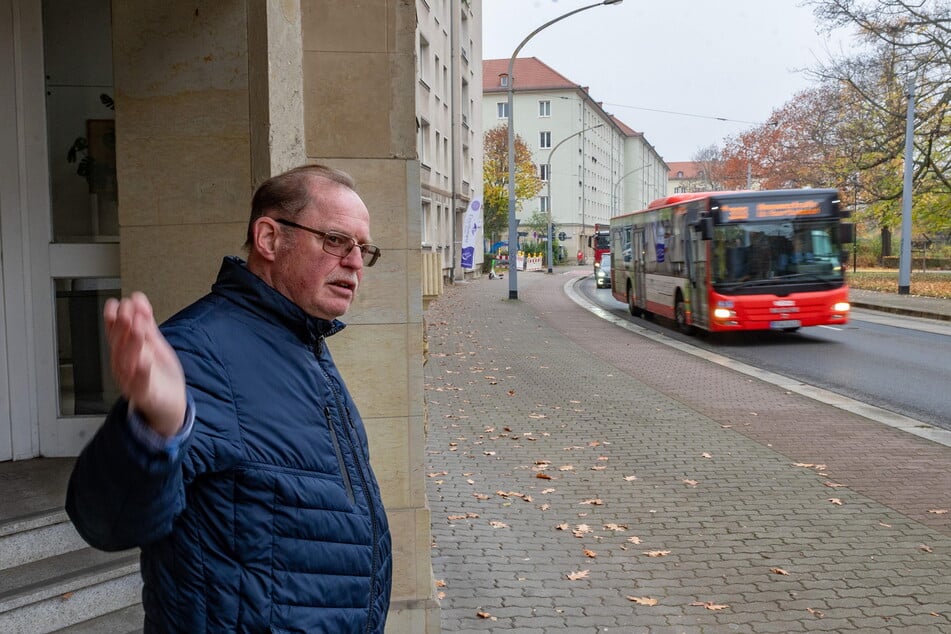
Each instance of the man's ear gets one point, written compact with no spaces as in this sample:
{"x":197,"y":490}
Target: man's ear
{"x":266,"y":238}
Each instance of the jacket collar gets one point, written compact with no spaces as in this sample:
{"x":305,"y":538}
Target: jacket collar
{"x":242,"y":287}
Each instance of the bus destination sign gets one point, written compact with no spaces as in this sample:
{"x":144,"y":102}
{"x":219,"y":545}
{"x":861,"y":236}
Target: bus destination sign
{"x":768,"y":210}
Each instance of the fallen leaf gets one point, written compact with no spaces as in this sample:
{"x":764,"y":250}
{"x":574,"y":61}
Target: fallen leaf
{"x":511,"y":392}
{"x":464,"y":516}
{"x":938,"y":511}
{"x":498,"y":524}
{"x":566,"y":467}
{"x":617,"y":528}
{"x":581,"y":530}
{"x":705,"y":455}
{"x":634,"y":540}
{"x":485,"y":615}
{"x":884,"y":524}
{"x":643,"y":600}
{"x":543,"y":476}
{"x":581,"y":574}
{"x":66,"y":596}
{"x":710,"y":605}
{"x":833,"y":485}
{"x":656,"y":553}
{"x":547,"y":491}
{"x":440,"y":583}
{"x":690,"y":483}
{"x":630,"y":478}
{"x":437,"y":474}
{"x":590,"y":553}
{"x":593,"y":501}
{"x":778,"y":571}
{"x":817,"y":613}
{"x":480,"y":496}
{"x":836,"y":501}
{"x":926,"y":548}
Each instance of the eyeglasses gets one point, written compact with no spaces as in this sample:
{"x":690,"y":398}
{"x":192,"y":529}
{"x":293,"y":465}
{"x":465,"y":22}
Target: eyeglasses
{"x":339,"y":244}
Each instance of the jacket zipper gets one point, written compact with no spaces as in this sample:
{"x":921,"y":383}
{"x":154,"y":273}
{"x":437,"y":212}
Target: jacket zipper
{"x":374,"y":549}
{"x":374,"y":561}
{"x":343,"y":467}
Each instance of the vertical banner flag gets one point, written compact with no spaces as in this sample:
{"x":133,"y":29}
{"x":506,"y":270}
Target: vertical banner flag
{"x":471,"y":223}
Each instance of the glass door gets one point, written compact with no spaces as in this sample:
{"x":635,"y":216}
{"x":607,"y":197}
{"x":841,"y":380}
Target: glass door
{"x":83,"y":226}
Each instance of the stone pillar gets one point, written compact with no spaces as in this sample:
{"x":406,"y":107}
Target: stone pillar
{"x":360,"y":115}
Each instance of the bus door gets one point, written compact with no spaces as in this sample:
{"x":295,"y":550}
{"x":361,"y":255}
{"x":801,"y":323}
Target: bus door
{"x":639,"y":256}
{"x":699,"y":297}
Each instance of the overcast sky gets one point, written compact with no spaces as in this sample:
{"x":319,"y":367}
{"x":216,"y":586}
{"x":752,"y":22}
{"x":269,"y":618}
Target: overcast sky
{"x":703,"y":59}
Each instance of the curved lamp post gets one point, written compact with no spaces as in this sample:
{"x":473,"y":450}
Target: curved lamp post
{"x":617,"y":208}
{"x":513,"y":224}
{"x":548,"y":163}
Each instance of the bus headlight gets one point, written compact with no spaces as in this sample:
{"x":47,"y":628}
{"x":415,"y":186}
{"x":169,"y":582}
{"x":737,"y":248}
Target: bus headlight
{"x":841,"y":307}
{"x":723,"y":313}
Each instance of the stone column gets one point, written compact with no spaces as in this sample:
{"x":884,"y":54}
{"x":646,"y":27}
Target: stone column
{"x":360,"y":115}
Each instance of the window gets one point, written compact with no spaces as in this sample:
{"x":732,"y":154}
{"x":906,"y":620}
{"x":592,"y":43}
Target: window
{"x":503,"y":80}
{"x":543,"y":171}
{"x":425,"y":63}
{"x":544,"y":140}
{"x":503,"y":109}
{"x":423,"y":143}
{"x":544,"y":108}
{"x":544,"y":204}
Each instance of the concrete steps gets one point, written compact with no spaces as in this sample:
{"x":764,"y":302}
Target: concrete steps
{"x":51,"y":581}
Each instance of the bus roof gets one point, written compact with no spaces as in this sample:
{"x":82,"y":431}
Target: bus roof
{"x":677,"y":199}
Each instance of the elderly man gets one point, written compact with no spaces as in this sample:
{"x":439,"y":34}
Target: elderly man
{"x":236,"y":458}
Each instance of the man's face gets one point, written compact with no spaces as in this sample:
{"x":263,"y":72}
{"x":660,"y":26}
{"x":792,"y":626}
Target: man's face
{"x":322,"y":284}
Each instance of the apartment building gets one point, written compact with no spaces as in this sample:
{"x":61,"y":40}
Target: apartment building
{"x":593,"y":165}
{"x":449,"y":144}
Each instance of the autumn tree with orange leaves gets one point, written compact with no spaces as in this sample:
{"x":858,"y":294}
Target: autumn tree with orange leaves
{"x":495,"y":180}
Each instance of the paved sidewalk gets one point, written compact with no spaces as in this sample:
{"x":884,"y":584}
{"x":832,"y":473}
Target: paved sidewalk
{"x":577,"y":474}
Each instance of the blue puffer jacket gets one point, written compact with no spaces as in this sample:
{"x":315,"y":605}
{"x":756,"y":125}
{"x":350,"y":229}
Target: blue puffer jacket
{"x":268,"y":518}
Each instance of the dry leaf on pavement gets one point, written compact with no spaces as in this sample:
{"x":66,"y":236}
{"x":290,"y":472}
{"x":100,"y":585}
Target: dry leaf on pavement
{"x":643,"y":600}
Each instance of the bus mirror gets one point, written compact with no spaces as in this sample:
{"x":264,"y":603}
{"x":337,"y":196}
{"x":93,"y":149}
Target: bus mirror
{"x":705,"y":226}
{"x":846,"y":233}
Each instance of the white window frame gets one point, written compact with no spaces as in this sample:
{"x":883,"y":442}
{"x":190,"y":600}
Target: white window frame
{"x":502,"y":109}
{"x":544,"y":139}
{"x":544,"y":107}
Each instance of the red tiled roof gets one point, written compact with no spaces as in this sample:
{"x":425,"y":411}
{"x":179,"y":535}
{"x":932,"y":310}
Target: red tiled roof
{"x":530,"y":74}
{"x":690,"y":169}
{"x":626,"y":129}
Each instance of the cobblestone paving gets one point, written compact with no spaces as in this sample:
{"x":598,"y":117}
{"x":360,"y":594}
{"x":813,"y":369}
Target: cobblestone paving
{"x":580,"y":485}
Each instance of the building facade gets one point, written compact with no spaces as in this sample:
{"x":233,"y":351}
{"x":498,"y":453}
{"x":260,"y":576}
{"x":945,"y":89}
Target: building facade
{"x":593,"y":166}
{"x":449,"y":143}
{"x":688,"y":176}
{"x":132,"y":135}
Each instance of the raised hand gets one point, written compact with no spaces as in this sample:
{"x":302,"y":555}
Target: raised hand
{"x":144,"y":365}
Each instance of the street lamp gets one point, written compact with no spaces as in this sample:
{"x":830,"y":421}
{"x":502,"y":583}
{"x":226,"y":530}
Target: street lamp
{"x":513,"y":225}
{"x":614,"y":193}
{"x":552,"y":151}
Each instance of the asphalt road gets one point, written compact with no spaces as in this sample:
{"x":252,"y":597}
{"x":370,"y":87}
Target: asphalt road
{"x":900,"y":364}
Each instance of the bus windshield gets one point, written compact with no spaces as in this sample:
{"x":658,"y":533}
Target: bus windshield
{"x":774,"y":252}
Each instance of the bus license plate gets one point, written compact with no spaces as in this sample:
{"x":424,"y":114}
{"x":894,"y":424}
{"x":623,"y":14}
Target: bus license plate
{"x":785,"y":323}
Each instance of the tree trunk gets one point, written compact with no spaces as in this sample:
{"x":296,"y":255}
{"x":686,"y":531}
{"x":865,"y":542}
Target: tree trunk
{"x":886,"y":244}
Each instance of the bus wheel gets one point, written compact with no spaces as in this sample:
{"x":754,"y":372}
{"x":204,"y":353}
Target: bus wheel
{"x":680,"y":314}
{"x":635,"y":311}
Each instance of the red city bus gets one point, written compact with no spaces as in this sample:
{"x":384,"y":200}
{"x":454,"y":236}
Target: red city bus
{"x":727,"y":261}
{"x":599,"y":243}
